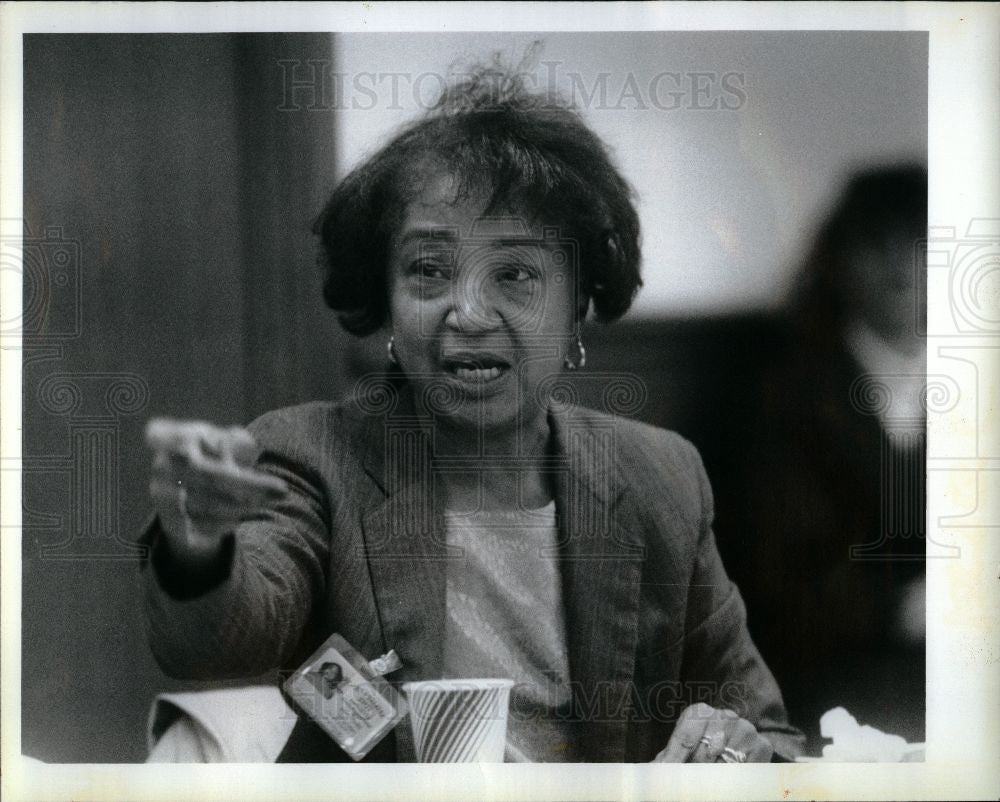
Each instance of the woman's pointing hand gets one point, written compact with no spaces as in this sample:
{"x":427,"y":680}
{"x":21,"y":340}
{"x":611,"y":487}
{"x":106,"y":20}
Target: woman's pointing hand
{"x":203,"y":482}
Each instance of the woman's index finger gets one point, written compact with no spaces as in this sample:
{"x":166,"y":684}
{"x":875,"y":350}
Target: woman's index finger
{"x":172,"y":436}
{"x":687,"y":733}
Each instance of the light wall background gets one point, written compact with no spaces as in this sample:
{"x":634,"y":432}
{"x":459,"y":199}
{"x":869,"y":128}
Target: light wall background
{"x":728,"y":197}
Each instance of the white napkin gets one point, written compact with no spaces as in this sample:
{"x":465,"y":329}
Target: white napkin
{"x":855,"y":743}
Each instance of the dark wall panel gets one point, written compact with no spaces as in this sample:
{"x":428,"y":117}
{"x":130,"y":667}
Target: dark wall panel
{"x":170,"y":271}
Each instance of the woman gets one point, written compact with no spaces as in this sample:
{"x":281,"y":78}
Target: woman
{"x":458,"y":511}
{"x":826,"y":501}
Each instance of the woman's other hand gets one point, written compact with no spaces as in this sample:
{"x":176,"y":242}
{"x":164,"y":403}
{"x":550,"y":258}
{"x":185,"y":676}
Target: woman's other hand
{"x":708,"y":735}
{"x":203,"y":481}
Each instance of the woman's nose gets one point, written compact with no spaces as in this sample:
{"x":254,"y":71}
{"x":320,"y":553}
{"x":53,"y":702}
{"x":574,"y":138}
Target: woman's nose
{"x":473,"y":306}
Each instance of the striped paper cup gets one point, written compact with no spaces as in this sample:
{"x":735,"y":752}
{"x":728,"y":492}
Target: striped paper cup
{"x":459,"y":720}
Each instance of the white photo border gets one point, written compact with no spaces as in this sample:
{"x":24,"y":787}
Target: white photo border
{"x":963,"y":732}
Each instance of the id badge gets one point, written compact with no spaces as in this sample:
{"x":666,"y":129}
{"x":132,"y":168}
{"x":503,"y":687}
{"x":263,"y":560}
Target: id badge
{"x":346,"y":695}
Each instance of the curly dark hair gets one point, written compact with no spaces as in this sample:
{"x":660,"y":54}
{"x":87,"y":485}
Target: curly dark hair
{"x":526,"y":151}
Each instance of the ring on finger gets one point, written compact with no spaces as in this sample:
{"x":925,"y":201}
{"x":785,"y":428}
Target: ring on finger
{"x":730,"y":755}
{"x":712,"y":744}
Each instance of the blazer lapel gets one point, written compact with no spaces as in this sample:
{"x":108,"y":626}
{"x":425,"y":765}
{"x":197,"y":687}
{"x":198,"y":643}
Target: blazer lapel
{"x":406,"y":552}
{"x":601,"y":556}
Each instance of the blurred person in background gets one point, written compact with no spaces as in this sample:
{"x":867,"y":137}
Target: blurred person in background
{"x":820,"y":509}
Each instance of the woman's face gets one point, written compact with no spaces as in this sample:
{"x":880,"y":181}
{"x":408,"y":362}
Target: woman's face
{"x":482,"y":308}
{"x":885,"y":293}
{"x":332,"y":676}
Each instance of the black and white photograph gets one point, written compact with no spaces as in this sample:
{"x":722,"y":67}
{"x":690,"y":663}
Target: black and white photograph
{"x":616,"y":392}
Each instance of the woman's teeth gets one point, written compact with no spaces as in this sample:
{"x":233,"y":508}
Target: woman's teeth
{"x":477,"y":374}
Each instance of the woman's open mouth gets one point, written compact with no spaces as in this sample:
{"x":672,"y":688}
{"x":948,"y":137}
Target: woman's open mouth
{"x":477,"y":374}
{"x":476,"y":368}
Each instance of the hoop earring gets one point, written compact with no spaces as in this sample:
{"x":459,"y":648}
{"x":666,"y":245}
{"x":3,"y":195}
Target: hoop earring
{"x":581,"y":356}
{"x":391,"y":351}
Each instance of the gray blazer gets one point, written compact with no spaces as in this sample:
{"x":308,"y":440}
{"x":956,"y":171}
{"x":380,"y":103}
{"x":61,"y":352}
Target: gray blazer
{"x":653,"y":622}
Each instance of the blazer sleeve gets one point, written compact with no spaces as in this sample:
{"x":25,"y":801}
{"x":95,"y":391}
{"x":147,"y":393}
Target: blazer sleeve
{"x":719,"y":654}
{"x":246,"y":615}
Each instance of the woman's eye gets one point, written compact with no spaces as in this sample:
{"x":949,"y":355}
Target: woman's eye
{"x":433,"y":270}
{"x":515,"y":273}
